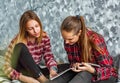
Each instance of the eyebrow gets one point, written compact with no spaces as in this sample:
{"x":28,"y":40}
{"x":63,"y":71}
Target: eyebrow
{"x":28,"y":28}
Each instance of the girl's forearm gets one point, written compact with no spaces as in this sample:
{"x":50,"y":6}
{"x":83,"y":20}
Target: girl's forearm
{"x":23,"y":78}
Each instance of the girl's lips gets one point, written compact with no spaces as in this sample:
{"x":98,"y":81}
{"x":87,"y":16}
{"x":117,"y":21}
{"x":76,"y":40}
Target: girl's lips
{"x":37,"y":34}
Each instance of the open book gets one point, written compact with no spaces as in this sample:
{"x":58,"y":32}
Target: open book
{"x":61,"y":73}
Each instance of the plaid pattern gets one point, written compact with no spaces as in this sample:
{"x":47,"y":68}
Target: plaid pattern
{"x":37,"y":51}
{"x":42,"y":50}
{"x":104,"y":60}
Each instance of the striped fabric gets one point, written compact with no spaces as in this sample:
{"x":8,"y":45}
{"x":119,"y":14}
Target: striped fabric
{"x":105,"y":60}
{"x":37,"y":51}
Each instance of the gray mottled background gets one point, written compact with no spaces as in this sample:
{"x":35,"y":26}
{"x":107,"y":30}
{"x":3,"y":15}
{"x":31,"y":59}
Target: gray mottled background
{"x":103,"y":16}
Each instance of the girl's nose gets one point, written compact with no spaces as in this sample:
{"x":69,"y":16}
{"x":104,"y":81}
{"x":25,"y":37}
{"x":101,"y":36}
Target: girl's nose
{"x":35,"y":30}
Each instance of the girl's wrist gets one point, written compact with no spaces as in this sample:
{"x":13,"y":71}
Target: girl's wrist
{"x":95,"y":72}
{"x":92,"y":70}
{"x":54,"y":68}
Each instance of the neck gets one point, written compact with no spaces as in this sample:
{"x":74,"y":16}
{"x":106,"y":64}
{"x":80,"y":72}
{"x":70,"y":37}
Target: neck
{"x":32,"y":39}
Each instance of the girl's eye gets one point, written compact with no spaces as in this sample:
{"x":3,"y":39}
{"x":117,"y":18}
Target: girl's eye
{"x":29,"y":29}
{"x":36,"y":26}
{"x":70,"y":39}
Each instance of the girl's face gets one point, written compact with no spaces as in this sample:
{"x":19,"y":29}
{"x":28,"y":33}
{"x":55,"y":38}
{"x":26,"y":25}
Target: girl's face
{"x":33,"y":28}
{"x":70,"y":37}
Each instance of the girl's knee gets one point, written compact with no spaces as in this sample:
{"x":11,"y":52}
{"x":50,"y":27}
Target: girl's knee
{"x":85,"y":74}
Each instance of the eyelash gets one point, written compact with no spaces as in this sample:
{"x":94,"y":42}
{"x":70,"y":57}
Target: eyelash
{"x":69,"y":39}
{"x":32,"y":28}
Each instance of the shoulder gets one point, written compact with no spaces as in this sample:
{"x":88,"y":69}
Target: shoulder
{"x":94,"y":35}
{"x":44,"y":33}
{"x":45,"y":36}
{"x":13,"y":41}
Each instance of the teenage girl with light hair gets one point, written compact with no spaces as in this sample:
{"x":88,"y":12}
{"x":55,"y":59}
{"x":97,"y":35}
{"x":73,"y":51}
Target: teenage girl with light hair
{"x":26,"y":51}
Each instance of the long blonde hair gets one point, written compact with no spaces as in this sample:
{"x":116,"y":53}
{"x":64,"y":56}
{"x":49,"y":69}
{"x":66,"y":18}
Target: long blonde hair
{"x":76,"y":23}
{"x":28,"y":15}
{"x":21,"y":36}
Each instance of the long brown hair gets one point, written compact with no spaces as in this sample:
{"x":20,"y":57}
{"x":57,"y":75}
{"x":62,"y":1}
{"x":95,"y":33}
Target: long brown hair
{"x":76,"y":23}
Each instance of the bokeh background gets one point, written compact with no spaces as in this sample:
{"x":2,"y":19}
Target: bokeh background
{"x":103,"y":16}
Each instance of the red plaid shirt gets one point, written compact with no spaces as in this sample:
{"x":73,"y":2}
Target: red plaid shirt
{"x":105,"y":60}
{"x":38,"y":51}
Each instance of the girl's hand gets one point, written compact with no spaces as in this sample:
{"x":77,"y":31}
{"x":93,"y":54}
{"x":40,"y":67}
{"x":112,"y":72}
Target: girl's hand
{"x":87,"y":67}
{"x":77,"y":67}
{"x":53,"y":73}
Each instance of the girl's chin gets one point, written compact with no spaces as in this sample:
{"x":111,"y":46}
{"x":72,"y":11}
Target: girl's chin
{"x":36,"y":36}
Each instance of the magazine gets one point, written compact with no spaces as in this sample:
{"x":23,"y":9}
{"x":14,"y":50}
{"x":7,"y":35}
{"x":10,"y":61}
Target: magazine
{"x":61,"y":73}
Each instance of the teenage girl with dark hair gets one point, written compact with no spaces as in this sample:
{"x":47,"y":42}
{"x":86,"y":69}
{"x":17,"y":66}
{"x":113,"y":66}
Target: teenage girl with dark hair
{"x":84,"y":46}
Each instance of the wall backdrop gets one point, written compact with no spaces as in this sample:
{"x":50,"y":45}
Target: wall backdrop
{"x":103,"y":16}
